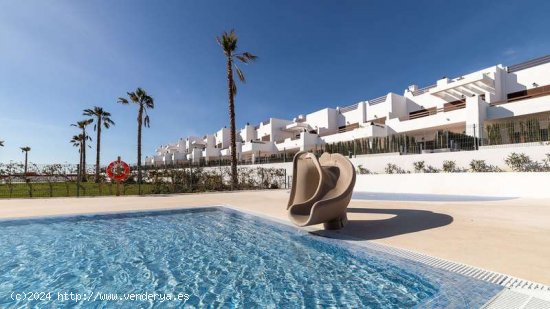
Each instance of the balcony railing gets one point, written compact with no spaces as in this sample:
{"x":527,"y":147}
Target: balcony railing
{"x":528,"y":64}
{"x":349,"y":127}
{"x":349,"y":108}
{"x":378,"y":100}
{"x":524,"y":95}
{"x":423,"y":90}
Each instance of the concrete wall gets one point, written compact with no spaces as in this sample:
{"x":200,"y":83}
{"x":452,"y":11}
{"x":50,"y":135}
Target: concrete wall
{"x":519,"y":108}
{"x":355,"y":116}
{"x":493,"y":156}
{"x":524,"y":79}
{"x":511,"y":185}
{"x":325,"y":120}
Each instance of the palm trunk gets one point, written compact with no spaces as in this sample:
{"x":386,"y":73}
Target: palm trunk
{"x":98,"y":149}
{"x":84,"y":155}
{"x":234,"y":178}
{"x":140,"y":122}
{"x":80,"y":162}
{"x":26,"y":156}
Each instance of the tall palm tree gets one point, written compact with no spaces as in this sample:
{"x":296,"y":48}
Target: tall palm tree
{"x":102,"y":119}
{"x":144,"y":101}
{"x":82,"y":125}
{"x":26,"y":150}
{"x":79,"y":141}
{"x":228,"y":43}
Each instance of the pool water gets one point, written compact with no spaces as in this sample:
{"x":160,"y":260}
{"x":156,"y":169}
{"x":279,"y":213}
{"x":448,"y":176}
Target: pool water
{"x":216,"y":258}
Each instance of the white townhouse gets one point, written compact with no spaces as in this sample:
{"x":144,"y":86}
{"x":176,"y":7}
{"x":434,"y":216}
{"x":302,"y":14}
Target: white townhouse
{"x":464,"y":105}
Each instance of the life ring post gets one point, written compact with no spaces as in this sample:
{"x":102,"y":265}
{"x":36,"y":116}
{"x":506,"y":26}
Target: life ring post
{"x":118,"y":171}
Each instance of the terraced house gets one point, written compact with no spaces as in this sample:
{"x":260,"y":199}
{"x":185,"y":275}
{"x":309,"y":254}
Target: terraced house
{"x":494,"y":106}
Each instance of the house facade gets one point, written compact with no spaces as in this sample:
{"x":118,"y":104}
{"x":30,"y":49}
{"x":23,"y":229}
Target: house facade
{"x":472,"y":106}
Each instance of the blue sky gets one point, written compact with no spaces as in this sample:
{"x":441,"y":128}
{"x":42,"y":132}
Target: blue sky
{"x":60,"y":57}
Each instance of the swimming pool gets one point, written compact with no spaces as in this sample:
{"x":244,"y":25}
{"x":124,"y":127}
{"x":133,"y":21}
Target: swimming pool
{"x":210,"y":257}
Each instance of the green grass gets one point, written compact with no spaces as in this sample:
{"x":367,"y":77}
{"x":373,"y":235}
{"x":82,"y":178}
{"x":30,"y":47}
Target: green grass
{"x":68,"y":189}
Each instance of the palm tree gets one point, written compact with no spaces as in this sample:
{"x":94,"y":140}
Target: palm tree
{"x":144,"y":101}
{"x":102,"y":118}
{"x":79,"y":141}
{"x":228,"y":43}
{"x":26,"y":150}
{"x":82,"y":125}
{"x":1,"y":143}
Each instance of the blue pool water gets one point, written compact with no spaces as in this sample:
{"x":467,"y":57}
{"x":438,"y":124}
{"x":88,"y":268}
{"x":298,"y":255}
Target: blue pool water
{"x":210,"y":257}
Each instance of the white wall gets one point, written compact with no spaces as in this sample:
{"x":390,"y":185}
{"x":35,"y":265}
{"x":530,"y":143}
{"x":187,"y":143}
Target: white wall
{"x":223,"y":136}
{"x":528,"y":185}
{"x":524,"y":79}
{"x":519,"y":108}
{"x":325,"y":120}
{"x":355,"y":116}
{"x":248,"y":133}
{"x":493,"y":156}
{"x":274,"y":130}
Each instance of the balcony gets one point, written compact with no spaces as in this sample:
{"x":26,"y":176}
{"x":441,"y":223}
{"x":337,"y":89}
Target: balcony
{"x":460,"y":88}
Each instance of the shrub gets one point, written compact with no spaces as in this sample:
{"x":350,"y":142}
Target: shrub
{"x":449,"y":166}
{"x":419,"y":166}
{"x":394,"y":169}
{"x":431,"y":169}
{"x":361,"y":170}
{"x":479,"y":166}
{"x":546,"y":163}
{"x":522,"y":163}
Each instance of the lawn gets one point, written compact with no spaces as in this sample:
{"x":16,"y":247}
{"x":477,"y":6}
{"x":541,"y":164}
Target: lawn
{"x":67,"y":189}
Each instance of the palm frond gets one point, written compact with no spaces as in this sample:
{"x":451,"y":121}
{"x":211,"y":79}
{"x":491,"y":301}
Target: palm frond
{"x":246,"y":57}
{"x":146,"y":121}
{"x":240,"y":74}
{"x":228,"y":42}
{"x":122,"y":100}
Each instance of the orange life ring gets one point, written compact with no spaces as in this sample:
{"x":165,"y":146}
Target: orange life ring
{"x":118,"y":170}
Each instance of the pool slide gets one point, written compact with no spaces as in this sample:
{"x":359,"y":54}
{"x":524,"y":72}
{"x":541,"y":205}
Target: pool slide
{"x":321,"y":190}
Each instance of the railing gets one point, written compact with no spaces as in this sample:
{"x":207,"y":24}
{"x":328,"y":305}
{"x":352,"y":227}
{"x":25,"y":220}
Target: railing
{"x":423,"y":90}
{"x":528,"y":64}
{"x":528,"y":94}
{"x":441,"y":141}
{"x":378,"y":100}
{"x":348,"y":127}
{"x":422,"y":113}
{"x":349,"y":108}
{"x":517,"y":131}
{"x":448,"y":107}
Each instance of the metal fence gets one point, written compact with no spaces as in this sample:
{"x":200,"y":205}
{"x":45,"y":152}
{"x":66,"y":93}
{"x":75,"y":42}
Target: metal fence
{"x":405,"y":144}
{"x":519,"y":131}
{"x":56,"y":180}
{"x":526,"y":131}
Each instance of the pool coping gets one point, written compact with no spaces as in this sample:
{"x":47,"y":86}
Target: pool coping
{"x":517,"y":292}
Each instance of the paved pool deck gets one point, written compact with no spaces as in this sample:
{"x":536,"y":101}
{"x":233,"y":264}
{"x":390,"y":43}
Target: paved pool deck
{"x":510,"y":236}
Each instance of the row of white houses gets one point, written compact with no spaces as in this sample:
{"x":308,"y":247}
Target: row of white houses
{"x":462,"y":105}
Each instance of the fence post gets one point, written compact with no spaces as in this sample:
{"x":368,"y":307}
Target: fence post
{"x":286,"y":183}
{"x":475,"y":137}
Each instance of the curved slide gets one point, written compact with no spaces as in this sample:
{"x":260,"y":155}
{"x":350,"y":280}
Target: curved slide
{"x":321,"y":190}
